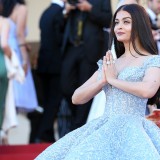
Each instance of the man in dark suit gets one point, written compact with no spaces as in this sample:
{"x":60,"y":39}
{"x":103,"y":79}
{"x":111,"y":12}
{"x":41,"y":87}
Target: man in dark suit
{"x":153,"y":11}
{"x":82,"y":47}
{"x":48,"y":68}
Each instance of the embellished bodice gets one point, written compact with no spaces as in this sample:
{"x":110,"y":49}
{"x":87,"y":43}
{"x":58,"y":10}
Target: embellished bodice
{"x":120,"y":102}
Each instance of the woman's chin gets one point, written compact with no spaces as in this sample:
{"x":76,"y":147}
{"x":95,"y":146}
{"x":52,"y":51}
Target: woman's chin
{"x":120,"y":40}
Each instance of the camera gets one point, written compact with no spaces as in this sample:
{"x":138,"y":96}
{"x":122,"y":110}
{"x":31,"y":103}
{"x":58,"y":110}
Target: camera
{"x":73,"y":2}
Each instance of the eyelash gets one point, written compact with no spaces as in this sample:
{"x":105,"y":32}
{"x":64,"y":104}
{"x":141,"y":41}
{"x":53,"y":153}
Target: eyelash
{"x":126,"y":22}
{"x":123,"y":22}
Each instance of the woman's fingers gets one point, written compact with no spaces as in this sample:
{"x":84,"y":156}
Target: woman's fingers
{"x":107,"y":58}
{"x":109,"y":70}
{"x":104,"y":62}
{"x":104,"y":70}
{"x":110,"y":58}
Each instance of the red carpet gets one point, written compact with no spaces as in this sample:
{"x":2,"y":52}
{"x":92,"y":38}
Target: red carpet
{"x":21,"y":152}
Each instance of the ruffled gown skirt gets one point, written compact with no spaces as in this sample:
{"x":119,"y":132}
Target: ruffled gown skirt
{"x":120,"y":137}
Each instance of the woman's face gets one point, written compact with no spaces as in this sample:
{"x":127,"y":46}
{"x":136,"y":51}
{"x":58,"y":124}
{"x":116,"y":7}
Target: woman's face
{"x":123,"y":26}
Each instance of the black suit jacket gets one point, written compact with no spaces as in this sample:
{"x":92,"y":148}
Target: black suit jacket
{"x":51,"y":28}
{"x":93,"y":35}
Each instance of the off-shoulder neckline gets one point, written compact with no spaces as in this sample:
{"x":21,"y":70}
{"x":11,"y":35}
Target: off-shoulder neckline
{"x":100,"y":62}
{"x":139,"y":66}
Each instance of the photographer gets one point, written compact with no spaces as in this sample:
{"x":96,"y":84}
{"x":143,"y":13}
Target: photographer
{"x":153,"y":11}
{"x":83,"y":46}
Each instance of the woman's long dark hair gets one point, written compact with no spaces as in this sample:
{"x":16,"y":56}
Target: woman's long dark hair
{"x":155,"y":99}
{"x":8,"y":6}
{"x":141,"y":28}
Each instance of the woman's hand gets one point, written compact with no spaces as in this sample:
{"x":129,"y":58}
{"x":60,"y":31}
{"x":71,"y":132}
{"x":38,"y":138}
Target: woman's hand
{"x":104,"y":78}
{"x":25,"y":68}
{"x":8,"y":53}
{"x":109,"y":68}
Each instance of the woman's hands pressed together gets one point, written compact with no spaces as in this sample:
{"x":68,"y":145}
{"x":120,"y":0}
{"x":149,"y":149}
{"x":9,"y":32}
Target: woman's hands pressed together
{"x":109,"y":69}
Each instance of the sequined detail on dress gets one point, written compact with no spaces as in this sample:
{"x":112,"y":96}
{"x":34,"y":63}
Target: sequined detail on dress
{"x":122,"y":133}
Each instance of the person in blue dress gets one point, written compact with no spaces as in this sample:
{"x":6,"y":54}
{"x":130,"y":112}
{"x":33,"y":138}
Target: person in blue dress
{"x":25,"y":94}
{"x":122,"y":132}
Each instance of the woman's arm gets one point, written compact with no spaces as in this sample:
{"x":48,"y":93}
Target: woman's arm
{"x":4,"y":37}
{"x":21,"y":30}
{"x":88,"y":90}
{"x":145,"y":89}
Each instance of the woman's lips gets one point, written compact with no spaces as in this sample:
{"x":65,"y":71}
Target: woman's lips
{"x":120,"y":33}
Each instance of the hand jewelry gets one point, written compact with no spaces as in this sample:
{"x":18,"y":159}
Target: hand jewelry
{"x":108,"y":62}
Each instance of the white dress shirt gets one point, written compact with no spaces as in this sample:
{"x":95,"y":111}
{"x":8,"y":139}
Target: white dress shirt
{"x":58,"y":2}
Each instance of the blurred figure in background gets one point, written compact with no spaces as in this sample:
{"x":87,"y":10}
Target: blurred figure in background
{"x":123,"y":2}
{"x":48,"y":69}
{"x":16,"y":11}
{"x":153,"y":11}
{"x":83,"y":45}
{"x":154,"y":102}
{"x":4,"y":49}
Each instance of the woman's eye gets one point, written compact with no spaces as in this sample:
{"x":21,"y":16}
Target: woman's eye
{"x":116,"y":23}
{"x":126,"y":22}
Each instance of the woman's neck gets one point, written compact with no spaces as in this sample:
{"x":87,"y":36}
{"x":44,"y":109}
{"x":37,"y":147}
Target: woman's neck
{"x":130,"y":51}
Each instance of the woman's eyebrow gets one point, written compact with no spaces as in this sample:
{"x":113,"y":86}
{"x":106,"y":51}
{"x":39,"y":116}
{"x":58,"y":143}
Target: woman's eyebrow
{"x":124,"y":18}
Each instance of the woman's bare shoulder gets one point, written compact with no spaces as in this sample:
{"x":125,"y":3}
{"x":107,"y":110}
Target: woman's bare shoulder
{"x":20,"y":13}
{"x":21,"y":8}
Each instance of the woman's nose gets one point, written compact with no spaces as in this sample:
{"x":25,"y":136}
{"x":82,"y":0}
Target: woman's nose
{"x":120,"y":25}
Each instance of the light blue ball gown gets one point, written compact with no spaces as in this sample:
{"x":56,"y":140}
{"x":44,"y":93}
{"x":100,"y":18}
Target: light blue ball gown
{"x":121,"y":133}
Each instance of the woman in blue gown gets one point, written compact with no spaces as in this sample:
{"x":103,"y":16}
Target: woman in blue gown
{"x":122,"y":132}
{"x":25,"y":94}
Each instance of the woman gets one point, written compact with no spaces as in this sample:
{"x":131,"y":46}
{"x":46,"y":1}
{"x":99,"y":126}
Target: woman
{"x":123,"y":132}
{"x":4,"y":49}
{"x":16,"y":11}
{"x":99,"y":99}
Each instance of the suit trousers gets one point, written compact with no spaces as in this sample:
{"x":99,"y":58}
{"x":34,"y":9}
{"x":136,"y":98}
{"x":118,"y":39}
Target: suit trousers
{"x":76,"y":69}
{"x":50,"y":84}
